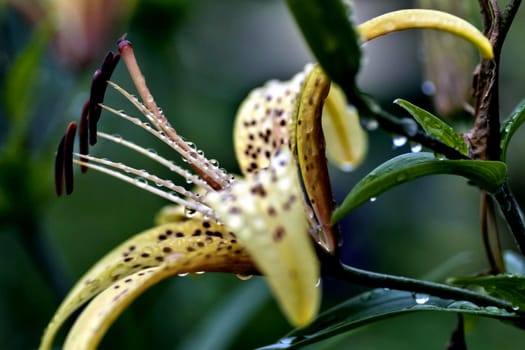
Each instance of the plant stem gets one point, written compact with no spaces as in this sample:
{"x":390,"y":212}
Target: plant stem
{"x":513,"y":214}
{"x":374,"y":279}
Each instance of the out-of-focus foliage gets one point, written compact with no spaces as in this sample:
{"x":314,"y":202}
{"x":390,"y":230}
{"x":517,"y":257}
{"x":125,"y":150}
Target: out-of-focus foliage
{"x":201,"y":57}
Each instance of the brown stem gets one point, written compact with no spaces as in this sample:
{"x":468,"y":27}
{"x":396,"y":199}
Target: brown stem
{"x":489,"y":232}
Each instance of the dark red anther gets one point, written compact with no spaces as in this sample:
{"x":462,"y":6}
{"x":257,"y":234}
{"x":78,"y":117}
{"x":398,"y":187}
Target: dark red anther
{"x":59,"y":168}
{"x":64,"y":161}
{"x":83,"y":134}
{"x":69,"y":143}
{"x":98,"y":90}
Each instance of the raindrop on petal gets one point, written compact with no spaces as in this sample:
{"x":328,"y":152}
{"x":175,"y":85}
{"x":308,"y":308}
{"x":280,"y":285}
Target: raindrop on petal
{"x":243,"y":277}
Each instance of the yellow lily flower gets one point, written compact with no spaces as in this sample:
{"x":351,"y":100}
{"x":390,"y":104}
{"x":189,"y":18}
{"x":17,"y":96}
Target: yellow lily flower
{"x":256,"y":224}
{"x":261,"y":223}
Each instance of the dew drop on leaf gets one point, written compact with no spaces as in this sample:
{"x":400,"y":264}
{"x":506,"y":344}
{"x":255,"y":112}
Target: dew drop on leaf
{"x":399,"y":141}
{"x":421,"y":299}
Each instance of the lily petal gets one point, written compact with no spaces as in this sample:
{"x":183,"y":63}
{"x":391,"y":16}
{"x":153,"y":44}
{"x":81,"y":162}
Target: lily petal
{"x":189,"y":245}
{"x":425,"y":19}
{"x":348,"y":144}
{"x":267,"y":213}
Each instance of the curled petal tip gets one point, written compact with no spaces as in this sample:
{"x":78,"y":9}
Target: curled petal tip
{"x":425,"y":19}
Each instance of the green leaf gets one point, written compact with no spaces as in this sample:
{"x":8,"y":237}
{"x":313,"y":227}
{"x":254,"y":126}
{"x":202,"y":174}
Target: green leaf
{"x":20,"y":83}
{"x":508,"y":287}
{"x":509,"y":127}
{"x":434,"y":126}
{"x":327,"y":28}
{"x":488,"y":175}
{"x":375,"y":305}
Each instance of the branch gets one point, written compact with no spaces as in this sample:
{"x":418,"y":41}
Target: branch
{"x":374,"y":279}
{"x":513,"y":215}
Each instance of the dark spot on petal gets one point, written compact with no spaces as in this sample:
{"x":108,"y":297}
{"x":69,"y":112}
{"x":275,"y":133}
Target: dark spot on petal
{"x":279,"y":234}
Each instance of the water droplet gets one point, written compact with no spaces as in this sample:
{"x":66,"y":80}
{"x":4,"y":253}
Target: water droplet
{"x":189,"y":212}
{"x":141,"y":182}
{"x":399,"y":141}
{"x":243,"y":276}
{"x":346,"y":166}
{"x":373,"y":199}
{"x":318,"y":283}
{"x":428,"y":88}
{"x":183,"y":274}
{"x":492,"y":309}
{"x":287,"y":341}
{"x":416,"y":148}
{"x":463,"y":305}
{"x":421,"y":299}
{"x":118,"y":138}
{"x":516,"y":308}
{"x":410,"y":126}
{"x":371,"y":124}
{"x":200,"y":272}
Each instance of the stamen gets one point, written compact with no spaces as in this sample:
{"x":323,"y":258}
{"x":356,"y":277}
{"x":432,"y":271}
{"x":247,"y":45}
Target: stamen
{"x":159,"y":159}
{"x":69,"y":143}
{"x":64,"y":161}
{"x":83,"y":135}
{"x":98,"y":90}
{"x":143,"y":184}
{"x":202,"y":166}
{"x":59,"y":168}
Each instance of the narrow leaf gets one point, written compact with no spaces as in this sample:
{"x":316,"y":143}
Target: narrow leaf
{"x":376,"y":305}
{"x":509,"y":127}
{"x":329,"y":32}
{"x":505,"y":286}
{"x":20,"y":83}
{"x":407,"y":167}
{"x":434,"y":126}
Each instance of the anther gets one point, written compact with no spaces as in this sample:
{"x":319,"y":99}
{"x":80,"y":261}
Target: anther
{"x":98,"y":89}
{"x":64,"y":161}
{"x":83,"y":134}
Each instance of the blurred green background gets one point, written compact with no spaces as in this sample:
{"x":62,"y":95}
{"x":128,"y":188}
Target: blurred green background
{"x":201,"y":58}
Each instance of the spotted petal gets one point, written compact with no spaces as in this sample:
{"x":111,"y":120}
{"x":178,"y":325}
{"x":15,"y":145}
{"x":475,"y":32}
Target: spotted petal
{"x":267,"y":213}
{"x":188,"y":245}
